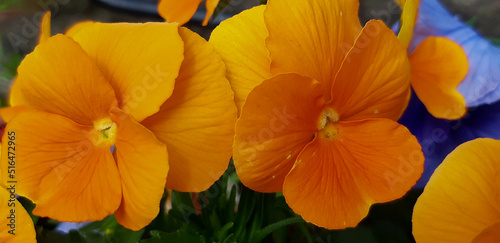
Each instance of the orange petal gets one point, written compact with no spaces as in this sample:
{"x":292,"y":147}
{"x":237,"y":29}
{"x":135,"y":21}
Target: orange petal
{"x":179,"y":11}
{"x":438,"y":66}
{"x":59,"y":77}
{"x":374,"y":80}
{"x":461,"y":200}
{"x":279,"y":118}
{"x":197,"y":122}
{"x":9,"y":112}
{"x":489,"y":235}
{"x":210,"y":5}
{"x":45,"y":28}
{"x":143,"y":164}
{"x":240,"y":41}
{"x":60,"y":169}
{"x":408,"y":19}
{"x":311,"y":38}
{"x":335,"y":180}
{"x":22,"y":226}
{"x":141,"y":69}
{"x":16,"y":95}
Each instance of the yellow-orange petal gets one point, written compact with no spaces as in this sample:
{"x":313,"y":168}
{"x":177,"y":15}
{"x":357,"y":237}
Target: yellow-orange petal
{"x":461,"y":200}
{"x":9,"y":112}
{"x":178,"y":11}
{"x":44,"y":28}
{"x":278,"y":119}
{"x":210,"y":6}
{"x":141,"y":69}
{"x":197,"y":122}
{"x":438,"y":65}
{"x":408,"y":19}
{"x":15,"y":95}
{"x":74,"y":29}
{"x":311,"y":38}
{"x":60,"y":169}
{"x":374,"y":80}
{"x":143,"y":165}
{"x":16,"y":223}
{"x":240,"y":41}
{"x":59,"y":77}
{"x":335,"y":180}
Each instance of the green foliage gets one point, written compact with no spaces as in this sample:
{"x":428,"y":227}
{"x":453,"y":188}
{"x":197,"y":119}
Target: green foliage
{"x":220,"y":7}
{"x":7,"y":3}
{"x":211,"y":216}
{"x":471,"y":22}
{"x":495,"y":41}
{"x":8,"y":69}
{"x":229,"y":212}
{"x":8,"y":64}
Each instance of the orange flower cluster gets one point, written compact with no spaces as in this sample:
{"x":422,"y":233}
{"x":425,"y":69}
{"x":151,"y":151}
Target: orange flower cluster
{"x":108,"y":115}
{"x":319,"y":97}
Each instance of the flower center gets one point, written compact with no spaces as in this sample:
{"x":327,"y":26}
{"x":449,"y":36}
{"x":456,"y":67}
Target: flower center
{"x":104,"y":132}
{"x":327,"y":125}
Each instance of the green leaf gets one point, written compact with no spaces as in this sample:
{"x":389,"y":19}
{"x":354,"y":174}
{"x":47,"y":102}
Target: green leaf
{"x":180,"y":236}
{"x":261,"y":234}
{"x":222,"y":232}
{"x":245,"y":212}
{"x":29,"y":206}
{"x":115,"y":233}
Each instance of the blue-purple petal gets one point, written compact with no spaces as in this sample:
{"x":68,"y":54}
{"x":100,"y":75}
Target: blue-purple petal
{"x":439,"y":137}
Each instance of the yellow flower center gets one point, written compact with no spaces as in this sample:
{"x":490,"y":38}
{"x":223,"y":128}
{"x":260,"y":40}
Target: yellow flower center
{"x":104,"y":133}
{"x":327,"y":125}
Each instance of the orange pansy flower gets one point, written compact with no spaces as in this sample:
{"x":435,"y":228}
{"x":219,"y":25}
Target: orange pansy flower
{"x":105,"y":85}
{"x":319,"y":97}
{"x":461,"y":202}
{"x":182,"y":11}
{"x":438,"y":65}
